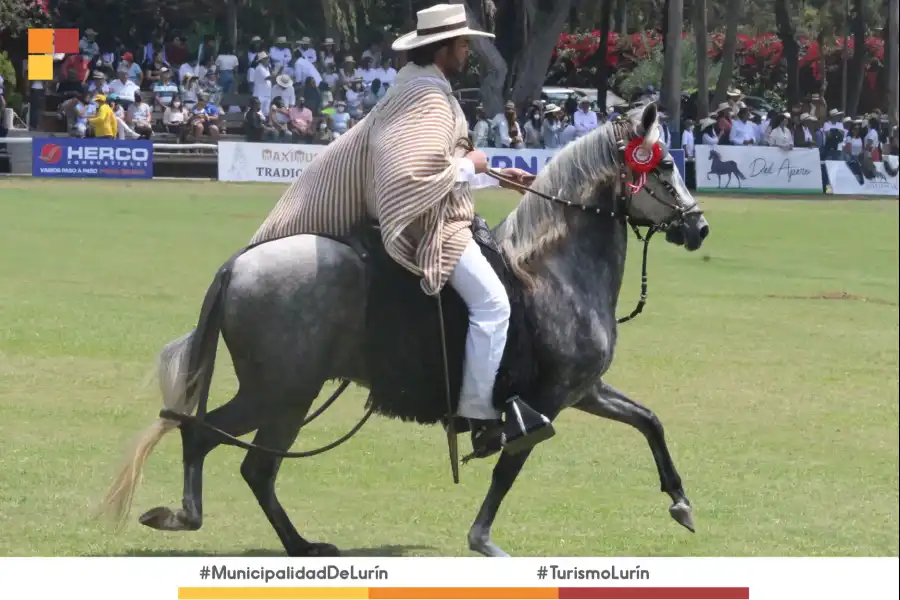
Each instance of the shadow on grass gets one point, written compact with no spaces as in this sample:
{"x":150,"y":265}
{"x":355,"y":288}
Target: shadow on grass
{"x":393,"y":550}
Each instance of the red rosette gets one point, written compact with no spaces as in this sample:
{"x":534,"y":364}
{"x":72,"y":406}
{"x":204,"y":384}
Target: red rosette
{"x":640,"y":159}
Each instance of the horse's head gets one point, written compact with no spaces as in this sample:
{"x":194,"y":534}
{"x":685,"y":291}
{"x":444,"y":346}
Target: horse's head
{"x":657,"y":195}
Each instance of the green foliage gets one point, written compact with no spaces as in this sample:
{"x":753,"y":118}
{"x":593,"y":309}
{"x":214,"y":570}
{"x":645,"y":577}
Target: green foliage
{"x":7,"y":71}
{"x":18,"y":15}
{"x":649,"y":70}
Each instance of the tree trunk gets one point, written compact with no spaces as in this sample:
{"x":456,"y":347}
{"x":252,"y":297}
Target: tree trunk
{"x":671,"y":83}
{"x":328,"y":19}
{"x":621,"y":17}
{"x":860,"y":55}
{"x":732,"y":19}
{"x":700,"y":32}
{"x":893,"y":61}
{"x":823,"y":71}
{"x":533,"y":59}
{"x":601,"y":72}
{"x":791,"y":52}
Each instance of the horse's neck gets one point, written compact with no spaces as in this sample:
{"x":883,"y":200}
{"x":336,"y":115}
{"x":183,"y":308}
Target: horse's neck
{"x":595,"y":248}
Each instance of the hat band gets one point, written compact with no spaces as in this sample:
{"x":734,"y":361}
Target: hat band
{"x":441,"y":29}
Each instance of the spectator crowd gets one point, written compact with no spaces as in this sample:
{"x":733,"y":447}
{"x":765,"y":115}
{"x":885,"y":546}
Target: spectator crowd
{"x":313,"y":93}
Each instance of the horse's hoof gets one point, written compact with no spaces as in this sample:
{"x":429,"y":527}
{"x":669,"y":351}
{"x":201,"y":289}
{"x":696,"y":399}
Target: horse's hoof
{"x":682,"y":512}
{"x":317,"y":549}
{"x":164,"y":519}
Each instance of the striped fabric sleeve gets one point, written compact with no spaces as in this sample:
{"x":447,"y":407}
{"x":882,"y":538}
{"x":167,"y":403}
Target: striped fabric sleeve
{"x":414,"y":169}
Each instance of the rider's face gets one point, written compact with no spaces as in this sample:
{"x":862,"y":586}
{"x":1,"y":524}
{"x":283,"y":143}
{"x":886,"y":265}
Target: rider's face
{"x":455,"y":56}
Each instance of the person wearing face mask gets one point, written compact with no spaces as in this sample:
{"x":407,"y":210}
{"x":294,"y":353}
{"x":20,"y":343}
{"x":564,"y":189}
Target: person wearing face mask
{"x":174,"y":117}
{"x":354,"y":96}
{"x":533,"y":129}
{"x":551,"y":127}
{"x":405,"y":166}
{"x":481,"y":133}
{"x":339,"y":123}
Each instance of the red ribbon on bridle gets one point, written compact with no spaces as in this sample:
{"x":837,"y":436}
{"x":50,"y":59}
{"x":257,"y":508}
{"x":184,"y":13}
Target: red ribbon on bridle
{"x":641,"y":161}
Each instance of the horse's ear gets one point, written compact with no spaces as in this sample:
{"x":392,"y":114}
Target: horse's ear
{"x":648,"y":118}
{"x":649,"y":125}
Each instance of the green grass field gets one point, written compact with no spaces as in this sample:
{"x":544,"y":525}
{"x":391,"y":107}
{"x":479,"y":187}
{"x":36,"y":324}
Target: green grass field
{"x":773,"y":365}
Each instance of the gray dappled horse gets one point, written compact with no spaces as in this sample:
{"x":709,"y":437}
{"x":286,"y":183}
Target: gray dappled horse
{"x":299,"y":311}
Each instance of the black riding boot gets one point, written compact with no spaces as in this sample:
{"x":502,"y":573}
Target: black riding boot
{"x":522,"y":429}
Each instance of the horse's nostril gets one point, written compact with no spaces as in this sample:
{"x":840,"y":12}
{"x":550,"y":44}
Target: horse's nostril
{"x":704,"y":231}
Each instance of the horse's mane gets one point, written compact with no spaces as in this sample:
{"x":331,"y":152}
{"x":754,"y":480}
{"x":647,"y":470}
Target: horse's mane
{"x":576,"y":174}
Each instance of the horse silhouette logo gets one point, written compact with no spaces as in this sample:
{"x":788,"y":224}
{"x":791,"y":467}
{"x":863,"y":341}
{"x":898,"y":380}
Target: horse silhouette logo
{"x":721,"y":167}
{"x":863,"y":168}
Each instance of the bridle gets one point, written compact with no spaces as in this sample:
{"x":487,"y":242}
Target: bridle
{"x":628,"y":183}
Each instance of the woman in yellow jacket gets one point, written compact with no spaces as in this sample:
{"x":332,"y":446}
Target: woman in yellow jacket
{"x":104,"y":123}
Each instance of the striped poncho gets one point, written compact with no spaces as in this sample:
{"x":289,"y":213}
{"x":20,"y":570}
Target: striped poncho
{"x":397,"y":165}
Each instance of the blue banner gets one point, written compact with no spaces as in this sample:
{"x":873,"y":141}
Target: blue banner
{"x":678,"y":159}
{"x":92,"y":157}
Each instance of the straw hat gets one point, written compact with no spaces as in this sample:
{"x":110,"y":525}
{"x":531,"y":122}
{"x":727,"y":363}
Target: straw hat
{"x":835,"y":112}
{"x":256,"y":38}
{"x":551,"y":108}
{"x":89,"y":31}
{"x":722,"y":106}
{"x":510,"y":106}
{"x":328,"y":42}
{"x":847,"y":120}
{"x":807,"y":117}
{"x":733,"y":93}
{"x":349,"y":59}
{"x":305,"y":40}
{"x":262,"y":54}
{"x":281,"y":40}
{"x":440,"y":22}
{"x":704,"y":123}
{"x":284,"y":81}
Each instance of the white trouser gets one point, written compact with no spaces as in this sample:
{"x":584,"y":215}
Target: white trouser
{"x":476,"y":282}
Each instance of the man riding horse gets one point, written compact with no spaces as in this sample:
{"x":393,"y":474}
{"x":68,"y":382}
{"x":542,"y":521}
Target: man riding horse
{"x":403,"y":166}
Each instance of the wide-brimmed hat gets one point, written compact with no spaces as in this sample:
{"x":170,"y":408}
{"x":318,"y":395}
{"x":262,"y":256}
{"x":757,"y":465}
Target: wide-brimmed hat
{"x":551,"y":108}
{"x":510,"y":105}
{"x":440,"y":22}
{"x":280,"y":40}
{"x":349,"y":59}
{"x":722,"y":106}
{"x":284,"y":81}
{"x":256,"y":38}
{"x":262,"y":54}
{"x":704,"y":123}
{"x":328,"y":41}
{"x":835,"y":112}
{"x":847,"y":120}
{"x":305,"y":40}
{"x":89,"y":31}
{"x":807,"y":117}
{"x":733,"y":93}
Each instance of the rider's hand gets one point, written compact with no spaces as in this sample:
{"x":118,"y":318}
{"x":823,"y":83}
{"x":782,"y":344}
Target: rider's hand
{"x":517,"y":175}
{"x":479,"y":160}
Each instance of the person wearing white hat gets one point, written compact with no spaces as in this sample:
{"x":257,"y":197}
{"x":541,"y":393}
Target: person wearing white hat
{"x":481,"y":132}
{"x":327,"y":55}
{"x":284,"y":88}
{"x":309,"y":53}
{"x":708,"y":136}
{"x":252,"y":54}
{"x":584,"y":119}
{"x":404,"y":166}
{"x":348,"y":71}
{"x":834,"y":121}
{"x":552,"y":128}
{"x":280,"y":52}
{"x":262,"y":82}
{"x":806,"y":121}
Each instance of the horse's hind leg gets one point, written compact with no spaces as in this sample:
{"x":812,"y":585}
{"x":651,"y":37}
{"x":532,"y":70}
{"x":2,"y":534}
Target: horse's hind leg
{"x":260,"y":471}
{"x":505,"y":472}
{"x":609,"y":403}
{"x":237,"y":417}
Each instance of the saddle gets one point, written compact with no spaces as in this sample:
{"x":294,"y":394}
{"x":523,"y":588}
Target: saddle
{"x":403,"y":344}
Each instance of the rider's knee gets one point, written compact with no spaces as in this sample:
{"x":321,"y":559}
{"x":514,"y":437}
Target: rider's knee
{"x":495,"y":308}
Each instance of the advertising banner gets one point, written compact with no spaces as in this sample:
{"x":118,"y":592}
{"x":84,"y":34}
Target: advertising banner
{"x":91,"y":157}
{"x":758,"y":169}
{"x":844,"y":182}
{"x":264,"y":162}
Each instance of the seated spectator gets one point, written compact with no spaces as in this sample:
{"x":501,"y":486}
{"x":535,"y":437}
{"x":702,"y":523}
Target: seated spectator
{"x":140,"y":117}
{"x":327,"y":56}
{"x":190,"y":89}
{"x":301,"y":124}
{"x":98,"y":83}
{"x":340,"y":122}
{"x":375,"y":93}
{"x":348,"y":71}
{"x":284,"y":89}
{"x":209,"y":85}
{"x":164,"y":89}
{"x":387,"y":73}
{"x":330,"y":76}
{"x":227,"y":66}
{"x":305,"y":46}
{"x":353,"y":94}
{"x":279,"y":119}
{"x":367,"y":73}
{"x":255,"y":124}
{"x":153,"y":72}
{"x":123,"y":87}
{"x":133,"y":70}
{"x":174,"y":117}
{"x":324,"y":135}
{"x":123,"y":130}
{"x":205,"y":118}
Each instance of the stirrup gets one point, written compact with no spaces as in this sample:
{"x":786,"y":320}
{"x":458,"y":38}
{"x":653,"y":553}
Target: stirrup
{"x":524,"y":427}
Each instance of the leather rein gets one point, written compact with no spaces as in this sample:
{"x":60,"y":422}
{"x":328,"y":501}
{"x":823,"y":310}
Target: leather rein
{"x":619,"y":211}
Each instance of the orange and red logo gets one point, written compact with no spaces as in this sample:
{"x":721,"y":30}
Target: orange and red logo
{"x":43,"y":44}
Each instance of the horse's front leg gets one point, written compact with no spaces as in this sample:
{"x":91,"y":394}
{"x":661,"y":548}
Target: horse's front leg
{"x":505,"y":473}
{"x":609,"y":403}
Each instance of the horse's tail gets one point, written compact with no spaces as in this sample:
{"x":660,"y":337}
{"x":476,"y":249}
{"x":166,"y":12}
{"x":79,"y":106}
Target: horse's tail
{"x":185,"y":370}
{"x":737,"y":171}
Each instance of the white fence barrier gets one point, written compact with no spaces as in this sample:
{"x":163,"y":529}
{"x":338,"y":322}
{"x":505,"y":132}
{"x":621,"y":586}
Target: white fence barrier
{"x":844,"y":182}
{"x":758,"y":169}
